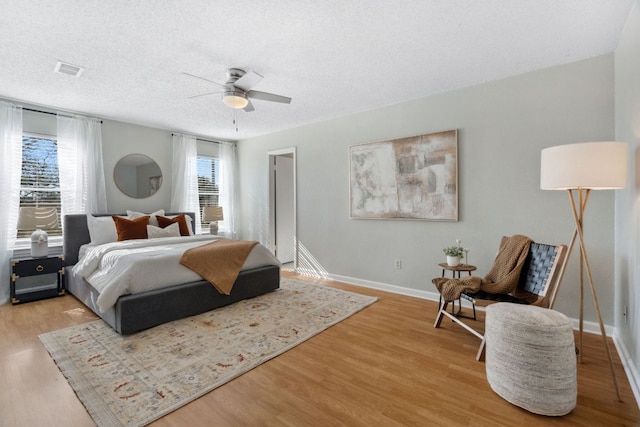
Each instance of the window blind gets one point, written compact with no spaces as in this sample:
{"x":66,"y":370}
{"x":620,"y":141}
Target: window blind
{"x":40,"y":183}
{"x":208,"y":182}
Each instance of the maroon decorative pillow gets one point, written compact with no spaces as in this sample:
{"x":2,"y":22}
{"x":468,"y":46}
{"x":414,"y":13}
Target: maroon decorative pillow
{"x":128,"y":229}
{"x":163,"y":221}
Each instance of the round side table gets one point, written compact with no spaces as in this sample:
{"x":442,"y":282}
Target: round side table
{"x":457,"y":269}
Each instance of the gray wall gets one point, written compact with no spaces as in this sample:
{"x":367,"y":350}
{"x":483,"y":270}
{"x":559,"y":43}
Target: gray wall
{"x":502,"y":126}
{"x":627,"y":119}
{"x":120,"y":139}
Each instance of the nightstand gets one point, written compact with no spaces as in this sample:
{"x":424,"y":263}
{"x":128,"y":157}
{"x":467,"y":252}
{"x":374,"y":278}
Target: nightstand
{"x":36,"y":278}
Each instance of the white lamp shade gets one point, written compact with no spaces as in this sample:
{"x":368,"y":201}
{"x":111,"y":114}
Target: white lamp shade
{"x":33,"y":218}
{"x":592,"y":165}
{"x":212,"y":213}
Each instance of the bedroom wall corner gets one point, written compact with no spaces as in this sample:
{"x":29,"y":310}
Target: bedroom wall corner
{"x":627,"y":230}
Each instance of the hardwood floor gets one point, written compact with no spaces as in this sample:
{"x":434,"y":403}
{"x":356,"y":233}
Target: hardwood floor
{"x":385,"y":366}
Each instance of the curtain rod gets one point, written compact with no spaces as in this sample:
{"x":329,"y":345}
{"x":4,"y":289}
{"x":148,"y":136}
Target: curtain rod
{"x":173,"y":134}
{"x":47,"y":112}
{"x":207,"y":140}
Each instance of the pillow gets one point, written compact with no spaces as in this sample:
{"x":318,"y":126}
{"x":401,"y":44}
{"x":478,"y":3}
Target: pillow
{"x":101,"y":229}
{"x":152,"y":220}
{"x":172,"y":230}
{"x":180,"y":219}
{"x":131,"y":229}
{"x":189,"y":222}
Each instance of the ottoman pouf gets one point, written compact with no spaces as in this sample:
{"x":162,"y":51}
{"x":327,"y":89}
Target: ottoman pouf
{"x":530,"y":357}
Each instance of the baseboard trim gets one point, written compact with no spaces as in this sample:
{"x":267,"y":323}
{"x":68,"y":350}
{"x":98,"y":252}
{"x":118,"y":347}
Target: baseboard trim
{"x":629,"y":368}
{"x":588,"y":326}
{"x":432,"y":296}
{"x":592,"y":327}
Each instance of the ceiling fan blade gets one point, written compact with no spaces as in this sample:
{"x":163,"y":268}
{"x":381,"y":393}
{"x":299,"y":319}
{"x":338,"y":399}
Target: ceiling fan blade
{"x":203,"y":94}
{"x":249,"y":108}
{"x":249,"y":80}
{"x":202,"y":78}
{"x":264,"y":96}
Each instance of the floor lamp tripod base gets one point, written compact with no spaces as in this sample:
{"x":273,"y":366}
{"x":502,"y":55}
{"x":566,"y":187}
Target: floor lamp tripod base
{"x":578,"y":212}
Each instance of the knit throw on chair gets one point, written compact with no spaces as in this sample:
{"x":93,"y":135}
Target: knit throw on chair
{"x":501,"y":279}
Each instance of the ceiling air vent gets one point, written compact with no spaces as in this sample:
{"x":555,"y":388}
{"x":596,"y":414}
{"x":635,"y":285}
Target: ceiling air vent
{"x":68,"y":69}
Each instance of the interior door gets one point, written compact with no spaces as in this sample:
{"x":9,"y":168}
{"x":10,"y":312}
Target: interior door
{"x":284,"y":212}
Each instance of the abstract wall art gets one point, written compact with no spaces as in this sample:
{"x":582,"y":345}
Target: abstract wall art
{"x":406,"y":178}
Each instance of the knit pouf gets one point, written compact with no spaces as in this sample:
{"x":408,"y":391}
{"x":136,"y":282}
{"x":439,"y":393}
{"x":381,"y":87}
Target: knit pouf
{"x":530,"y":358}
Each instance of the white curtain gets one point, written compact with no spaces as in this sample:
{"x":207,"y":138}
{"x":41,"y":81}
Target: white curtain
{"x":228,"y":190}
{"x":184,"y":177}
{"x":82,"y":183}
{"x":10,"y":172}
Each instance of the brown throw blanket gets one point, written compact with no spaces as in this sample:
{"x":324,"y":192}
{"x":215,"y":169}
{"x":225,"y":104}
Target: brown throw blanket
{"x":501,"y":279}
{"x":218,"y":262}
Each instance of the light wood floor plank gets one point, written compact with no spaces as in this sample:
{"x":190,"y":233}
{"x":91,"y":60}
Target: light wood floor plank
{"x":384,"y":366}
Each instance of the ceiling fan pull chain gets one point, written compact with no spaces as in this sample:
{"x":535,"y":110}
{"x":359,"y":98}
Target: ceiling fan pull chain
{"x":235,"y":120}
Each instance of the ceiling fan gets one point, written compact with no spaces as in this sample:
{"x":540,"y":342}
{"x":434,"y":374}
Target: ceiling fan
{"x":236,"y":92}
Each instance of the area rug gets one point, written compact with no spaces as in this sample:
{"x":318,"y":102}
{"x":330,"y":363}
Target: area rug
{"x":136,"y":379}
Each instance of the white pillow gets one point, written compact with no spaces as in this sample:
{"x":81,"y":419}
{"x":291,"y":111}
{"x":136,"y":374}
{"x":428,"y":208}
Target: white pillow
{"x":172,"y":230}
{"x":101,"y":229}
{"x":189,"y":221}
{"x":152,"y":216}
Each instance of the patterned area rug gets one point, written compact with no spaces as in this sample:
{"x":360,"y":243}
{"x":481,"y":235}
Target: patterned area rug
{"x":136,"y":379}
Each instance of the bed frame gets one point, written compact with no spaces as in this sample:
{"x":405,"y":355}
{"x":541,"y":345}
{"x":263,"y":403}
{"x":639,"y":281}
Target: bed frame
{"x":133,"y":313}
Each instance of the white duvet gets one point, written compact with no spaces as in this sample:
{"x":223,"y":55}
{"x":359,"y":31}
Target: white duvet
{"x":135,"y":266}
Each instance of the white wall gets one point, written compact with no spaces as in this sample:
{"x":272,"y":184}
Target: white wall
{"x":502,"y":126}
{"x":627,"y":127}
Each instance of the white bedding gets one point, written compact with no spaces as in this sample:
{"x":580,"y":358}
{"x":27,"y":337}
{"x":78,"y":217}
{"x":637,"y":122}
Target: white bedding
{"x":134,"y":266}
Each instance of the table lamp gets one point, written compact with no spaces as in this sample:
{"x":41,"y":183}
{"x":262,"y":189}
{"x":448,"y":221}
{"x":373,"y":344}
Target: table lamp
{"x":38,"y":219}
{"x":212,"y":214}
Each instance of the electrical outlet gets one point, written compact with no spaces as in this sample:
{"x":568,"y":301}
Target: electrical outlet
{"x":398,"y":264}
{"x":624,"y":313}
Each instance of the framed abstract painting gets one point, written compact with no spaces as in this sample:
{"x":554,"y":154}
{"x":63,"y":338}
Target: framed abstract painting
{"x":406,"y":178}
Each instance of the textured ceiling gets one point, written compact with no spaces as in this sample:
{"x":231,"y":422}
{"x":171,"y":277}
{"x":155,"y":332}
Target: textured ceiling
{"x":333,"y":57}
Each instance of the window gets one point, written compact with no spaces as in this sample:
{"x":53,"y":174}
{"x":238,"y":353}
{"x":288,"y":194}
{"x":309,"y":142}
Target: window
{"x":208,"y":182}
{"x":40,"y":182}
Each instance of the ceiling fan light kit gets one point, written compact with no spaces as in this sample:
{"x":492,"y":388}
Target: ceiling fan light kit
{"x":235,"y":99}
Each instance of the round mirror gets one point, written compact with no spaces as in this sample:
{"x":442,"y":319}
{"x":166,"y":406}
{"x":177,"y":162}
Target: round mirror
{"x":137,"y":176}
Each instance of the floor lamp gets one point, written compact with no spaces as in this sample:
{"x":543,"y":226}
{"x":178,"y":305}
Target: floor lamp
{"x":578,"y":169}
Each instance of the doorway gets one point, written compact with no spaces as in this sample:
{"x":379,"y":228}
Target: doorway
{"x":282,"y":205}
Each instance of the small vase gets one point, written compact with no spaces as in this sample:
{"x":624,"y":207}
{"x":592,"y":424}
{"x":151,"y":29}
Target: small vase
{"x":453,"y":261}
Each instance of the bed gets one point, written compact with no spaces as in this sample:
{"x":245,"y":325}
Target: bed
{"x":135,"y":312}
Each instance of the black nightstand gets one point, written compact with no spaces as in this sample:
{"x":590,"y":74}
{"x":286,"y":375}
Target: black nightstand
{"x":36,"y":278}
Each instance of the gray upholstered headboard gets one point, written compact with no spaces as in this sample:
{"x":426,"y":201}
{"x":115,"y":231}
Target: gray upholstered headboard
{"x":76,"y":233}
